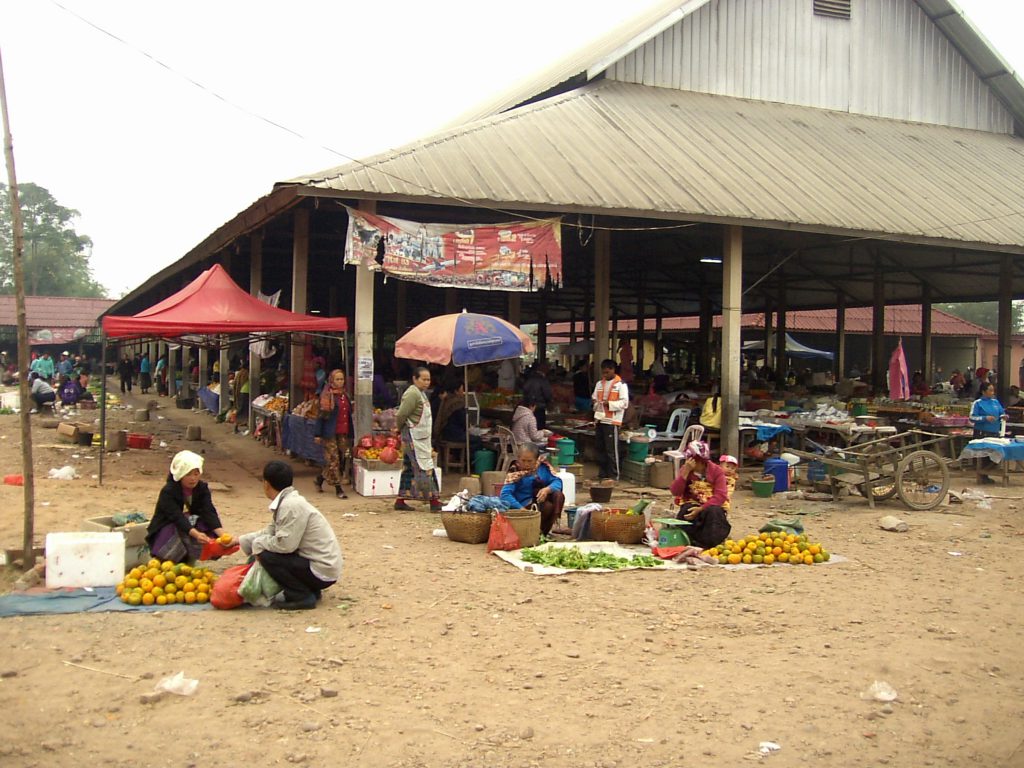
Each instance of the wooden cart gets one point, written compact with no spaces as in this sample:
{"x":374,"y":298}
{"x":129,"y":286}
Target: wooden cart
{"x":910,"y":465}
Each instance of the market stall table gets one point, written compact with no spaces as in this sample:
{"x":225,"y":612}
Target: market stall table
{"x":1001,"y":450}
{"x":209,"y":399}
{"x":297,"y":434}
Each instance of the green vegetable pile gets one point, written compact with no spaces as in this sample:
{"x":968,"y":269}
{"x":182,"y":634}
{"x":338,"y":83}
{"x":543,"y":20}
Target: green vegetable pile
{"x":574,"y":559}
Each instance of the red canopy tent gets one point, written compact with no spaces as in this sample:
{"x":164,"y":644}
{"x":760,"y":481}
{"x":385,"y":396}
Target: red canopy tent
{"x":213,"y":303}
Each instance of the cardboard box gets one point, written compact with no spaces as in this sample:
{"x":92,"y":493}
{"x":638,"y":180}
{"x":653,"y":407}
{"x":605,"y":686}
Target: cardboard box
{"x":134,"y":533}
{"x":381,"y":482}
{"x":68,"y":432}
{"x":84,"y":559}
{"x":117,"y":440}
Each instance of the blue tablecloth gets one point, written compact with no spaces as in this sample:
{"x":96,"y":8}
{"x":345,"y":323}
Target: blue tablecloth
{"x":297,"y":437}
{"x":997,"y":450}
{"x":210,"y":400}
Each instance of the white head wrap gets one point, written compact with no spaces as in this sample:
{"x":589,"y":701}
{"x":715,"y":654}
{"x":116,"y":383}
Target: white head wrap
{"x":184,"y":462}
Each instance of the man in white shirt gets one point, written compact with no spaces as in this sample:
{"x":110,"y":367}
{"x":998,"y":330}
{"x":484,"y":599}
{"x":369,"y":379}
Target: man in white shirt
{"x":610,"y":399}
{"x":298,"y":549}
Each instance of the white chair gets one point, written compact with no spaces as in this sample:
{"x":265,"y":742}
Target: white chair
{"x":677,"y":422}
{"x":695,"y":432}
{"x":508,"y":449}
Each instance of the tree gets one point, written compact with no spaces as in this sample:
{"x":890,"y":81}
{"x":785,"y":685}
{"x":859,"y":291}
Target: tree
{"x":985,"y":313}
{"x":56,"y":256}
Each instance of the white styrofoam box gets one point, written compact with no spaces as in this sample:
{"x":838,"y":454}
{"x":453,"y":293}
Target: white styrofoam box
{"x":381,"y":482}
{"x":84,"y":559}
{"x":10,"y":400}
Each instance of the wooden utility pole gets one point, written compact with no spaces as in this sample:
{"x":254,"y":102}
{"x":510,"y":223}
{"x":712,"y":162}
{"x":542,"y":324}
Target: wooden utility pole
{"x":19,"y":294}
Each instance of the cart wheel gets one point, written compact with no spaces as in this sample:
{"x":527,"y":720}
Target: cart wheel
{"x":885,"y":487}
{"x":922,"y":480}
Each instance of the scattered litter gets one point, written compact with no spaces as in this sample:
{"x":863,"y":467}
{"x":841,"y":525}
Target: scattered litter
{"x":441,"y":533}
{"x":956,"y":554}
{"x":767,"y":747}
{"x":177,"y":684}
{"x":350,"y":514}
{"x":44,"y":503}
{"x":387,"y":546}
{"x":880,"y":691}
{"x":312,"y":630}
{"x":162,"y":443}
{"x":894,"y":524}
{"x":64,"y":473}
{"x":75,"y":456}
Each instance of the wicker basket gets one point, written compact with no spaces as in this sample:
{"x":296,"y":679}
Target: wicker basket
{"x":467,"y":527}
{"x":526,"y":523}
{"x":620,"y":527}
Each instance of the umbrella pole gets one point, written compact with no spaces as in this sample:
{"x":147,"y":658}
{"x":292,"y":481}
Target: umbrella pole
{"x":103,"y":402}
{"x":465,"y":411}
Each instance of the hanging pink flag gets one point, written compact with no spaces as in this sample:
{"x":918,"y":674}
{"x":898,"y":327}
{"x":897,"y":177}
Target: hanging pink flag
{"x":899,"y":382}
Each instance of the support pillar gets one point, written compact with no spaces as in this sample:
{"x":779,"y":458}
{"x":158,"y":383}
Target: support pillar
{"x":615,"y":334}
{"x":224,"y":364}
{"x":602,"y":294}
{"x":172,"y":370}
{"x":704,"y":337}
{"x":300,"y":287}
{"x":641,"y":321}
{"x":840,"y":366}
{"x":1004,"y":372}
{"x":926,"y":335}
{"x":768,"y":325}
{"x":732,"y":328}
{"x":879,"y":365}
{"x":255,"y":287}
{"x":781,"y":360}
{"x":451,"y":300}
{"x":515,"y":308}
{"x":542,"y":330}
{"x":401,"y":316}
{"x":659,"y":355}
{"x":364,"y":339}
{"x":204,"y":361}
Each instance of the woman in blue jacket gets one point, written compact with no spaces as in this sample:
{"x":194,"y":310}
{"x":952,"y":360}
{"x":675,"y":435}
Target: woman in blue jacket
{"x":987,"y":416}
{"x":532,"y":481}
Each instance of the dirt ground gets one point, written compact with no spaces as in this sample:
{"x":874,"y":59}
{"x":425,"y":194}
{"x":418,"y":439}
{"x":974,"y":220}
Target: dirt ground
{"x":432,"y":653}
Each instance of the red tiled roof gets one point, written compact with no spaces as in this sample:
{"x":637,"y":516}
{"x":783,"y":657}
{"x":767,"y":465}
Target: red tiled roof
{"x":55,"y":311}
{"x":899,"y":319}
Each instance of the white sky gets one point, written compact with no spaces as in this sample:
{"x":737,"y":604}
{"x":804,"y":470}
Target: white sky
{"x":154,"y":164}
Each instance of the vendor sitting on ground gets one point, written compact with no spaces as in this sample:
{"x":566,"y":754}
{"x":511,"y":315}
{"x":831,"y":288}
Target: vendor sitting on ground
{"x":185,"y":519}
{"x":299,"y":548}
{"x":41,"y":392}
{"x":702,"y":490}
{"x":524,"y":424}
{"x":532,"y":481}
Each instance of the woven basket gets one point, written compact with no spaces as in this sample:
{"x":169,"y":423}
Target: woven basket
{"x":620,"y":527}
{"x":467,"y":527}
{"x":526,"y":523}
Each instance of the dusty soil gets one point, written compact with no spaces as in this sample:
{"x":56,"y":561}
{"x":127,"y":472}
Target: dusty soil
{"x":432,"y":653}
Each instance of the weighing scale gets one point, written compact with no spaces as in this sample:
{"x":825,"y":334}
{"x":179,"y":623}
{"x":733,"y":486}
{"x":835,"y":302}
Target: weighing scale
{"x":672,"y":532}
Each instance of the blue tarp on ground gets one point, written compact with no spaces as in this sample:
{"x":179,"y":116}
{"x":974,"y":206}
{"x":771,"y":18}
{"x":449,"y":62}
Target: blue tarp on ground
{"x":41,"y":602}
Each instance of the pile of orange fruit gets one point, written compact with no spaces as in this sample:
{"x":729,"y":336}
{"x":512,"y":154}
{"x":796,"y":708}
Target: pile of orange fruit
{"x":165,"y":583}
{"x":770,"y":548}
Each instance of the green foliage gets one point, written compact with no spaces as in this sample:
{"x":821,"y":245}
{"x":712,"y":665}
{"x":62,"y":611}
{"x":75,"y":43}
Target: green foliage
{"x":985,"y":313}
{"x":55,"y":257}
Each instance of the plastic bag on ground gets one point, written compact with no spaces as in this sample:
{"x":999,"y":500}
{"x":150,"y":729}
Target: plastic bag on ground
{"x":503,"y":536}
{"x":225,"y":590}
{"x":64,"y":473}
{"x":258,"y":586}
{"x":880,"y":691}
{"x":178,"y":684}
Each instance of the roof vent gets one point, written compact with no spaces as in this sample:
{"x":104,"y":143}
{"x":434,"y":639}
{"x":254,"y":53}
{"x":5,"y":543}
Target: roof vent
{"x":834,"y":9}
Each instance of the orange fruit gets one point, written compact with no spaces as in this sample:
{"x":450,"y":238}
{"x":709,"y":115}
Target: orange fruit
{"x":188,"y":587}
{"x":180,"y":597}
{"x":757,"y":559}
{"x":225,"y":539}
{"x":784,"y":557}
{"x":159,"y":580}
{"x":186,"y":570}
{"x":166,"y":565}
{"x":825,"y":555}
{"x":146,"y":585}
{"x":161,"y":600}
{"x":769,"y":559}
{"x":190,"y":597}
{"x":135,"y":573}
{"x":156,"y":591}
{"x":170,"y":589}
{"x":148,"y":599}
{"x":180,"y":581}
{"x":203,"y":588}
{"x":119,"y":589}
{"x":814,"y":549}
{"x":818,"y":558}
{"x":154,"y":563}
{"x":202,"y":597}
{"x":734,"y":558}
{"x":808,"y":559}
{"x":777,"y":550}
{"x":748,"y":558}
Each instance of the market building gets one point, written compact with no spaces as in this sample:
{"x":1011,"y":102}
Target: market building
{"x":711,"y":156}
{"x":54,"y":322}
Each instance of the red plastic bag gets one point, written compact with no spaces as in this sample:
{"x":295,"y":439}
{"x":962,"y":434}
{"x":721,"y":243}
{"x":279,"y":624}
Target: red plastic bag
{"x":503,"y":535}
{"x":225,"y":590}
{"x":14,"y":480}
{"x":213,"y":549}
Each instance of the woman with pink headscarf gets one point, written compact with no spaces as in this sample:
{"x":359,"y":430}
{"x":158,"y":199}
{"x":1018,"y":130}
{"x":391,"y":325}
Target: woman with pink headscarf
{"x":701,"y":490}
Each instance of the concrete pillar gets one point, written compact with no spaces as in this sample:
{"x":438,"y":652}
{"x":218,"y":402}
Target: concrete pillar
{"x":641,"y":321}
{"x":401,"y":301}
{"x":781,"y":361}
{"x":224,"y":363}
{"x":926,"y":333}
{"x":768,"y":325}
{"x":732,"y":328}
{"x":602,"y":293}
{"x":658,"y":339}
{"x":707,"y":322}
{"x":300,"y":288}
{"x":879,"y":363}
{"x":515,"y":308}
{"x":172,"y":371}
{"x":1004,"y":365}
{"x":542,"y":330}
{"x":451,"y":301}
{"x":615,"y":334}
{"x":840,"y":362}
{"x":255,"y":287}
{"x":363,"y":415}
{"x":204,"y":361}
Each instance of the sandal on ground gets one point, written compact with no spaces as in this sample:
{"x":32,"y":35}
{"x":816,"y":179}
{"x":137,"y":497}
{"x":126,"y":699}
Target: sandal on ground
{"x":319,"y":483}
{"x":401,"y":506}
{"x":339,"y":493}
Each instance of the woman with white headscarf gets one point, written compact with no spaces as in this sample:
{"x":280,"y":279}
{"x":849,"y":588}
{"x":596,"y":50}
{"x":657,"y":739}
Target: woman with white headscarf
{"x":701,"y":491}
{"x":185,"y":518}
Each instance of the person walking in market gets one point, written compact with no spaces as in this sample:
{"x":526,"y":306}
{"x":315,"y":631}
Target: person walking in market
{"x":987,"y":416}
{"x":333,"y":432}
{"x":414,"y":422}
{"x":125,"y":371}
{"x":611,"y":399}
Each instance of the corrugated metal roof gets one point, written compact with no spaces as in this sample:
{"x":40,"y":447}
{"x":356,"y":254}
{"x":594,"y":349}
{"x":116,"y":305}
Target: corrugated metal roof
{"x":55,"y":311}
{"x":623,"y":148}
{"x":592,"y":60}
{"x":899,"y":319}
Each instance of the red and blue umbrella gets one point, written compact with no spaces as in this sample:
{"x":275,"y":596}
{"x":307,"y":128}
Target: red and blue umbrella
{"x":465,"y":338}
